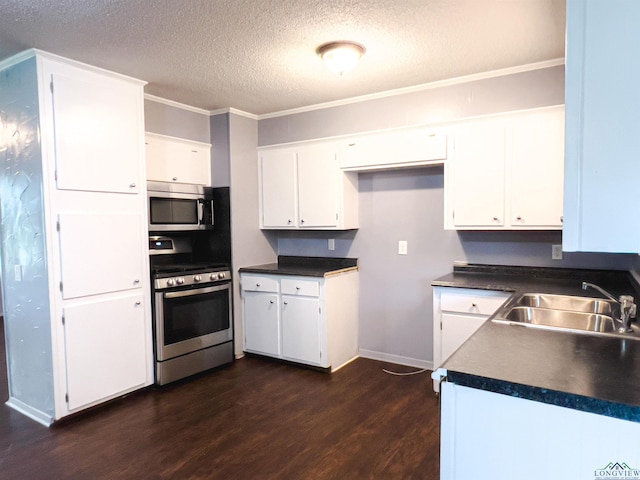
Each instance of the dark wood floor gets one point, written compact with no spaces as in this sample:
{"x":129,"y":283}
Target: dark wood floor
{"x":254,"y":419}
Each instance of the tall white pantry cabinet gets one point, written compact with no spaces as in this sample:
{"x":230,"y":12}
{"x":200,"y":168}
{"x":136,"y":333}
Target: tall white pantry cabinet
{"x":77,"y":310}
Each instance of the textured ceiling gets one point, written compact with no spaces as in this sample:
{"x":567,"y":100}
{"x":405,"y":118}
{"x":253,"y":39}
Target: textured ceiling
{"x":259,"y":55}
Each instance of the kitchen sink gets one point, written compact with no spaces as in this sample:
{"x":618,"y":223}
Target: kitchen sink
{"x":566,"y":302}
{"x":589,"y":322}
{"x":564,"y":312}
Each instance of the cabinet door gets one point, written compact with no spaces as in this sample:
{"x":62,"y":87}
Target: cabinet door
{"x":301,"y":329}
{"x":105,"y":348}
{"x":603,"y":120}
{"x":261,"y":328}
{"x":537,"y":169}
{"x":456,"y":329}
{"x":318,"y":186}
{"x":177,"y":160}
{"x":478,"y":175}
{"x":86,"y":241}
{"x":278,"y":188}
{"x":97,"y":132}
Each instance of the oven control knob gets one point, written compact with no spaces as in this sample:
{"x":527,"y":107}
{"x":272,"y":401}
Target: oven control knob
{"x":221,"y":275}
{"x":179,"y":280}
{"x":197,"y":278}
{"x":171,"y":282}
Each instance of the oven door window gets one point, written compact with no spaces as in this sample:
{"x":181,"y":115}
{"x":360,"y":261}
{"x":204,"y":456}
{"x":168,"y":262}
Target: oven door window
{"x":173,"y":211}
{"x":190,"y":315}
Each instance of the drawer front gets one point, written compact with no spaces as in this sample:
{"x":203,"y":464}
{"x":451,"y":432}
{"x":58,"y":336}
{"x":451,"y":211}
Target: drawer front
{"x":259,"y":283}
{"x":300,"y":286}
{"x":472,"y":301}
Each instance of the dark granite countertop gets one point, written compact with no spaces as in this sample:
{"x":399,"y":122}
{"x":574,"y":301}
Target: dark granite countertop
{"x":585,"y":372}
{"x":304,"y":266}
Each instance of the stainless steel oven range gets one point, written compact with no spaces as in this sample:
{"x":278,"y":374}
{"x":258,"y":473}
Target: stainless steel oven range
{"x":193,"y":328}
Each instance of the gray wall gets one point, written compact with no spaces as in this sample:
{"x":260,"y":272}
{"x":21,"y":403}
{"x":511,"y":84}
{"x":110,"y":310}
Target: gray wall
{"x":250,"y":245}
{"x":26,"y":300}
{"x":395,"y":294}
{"x":176,"y":122}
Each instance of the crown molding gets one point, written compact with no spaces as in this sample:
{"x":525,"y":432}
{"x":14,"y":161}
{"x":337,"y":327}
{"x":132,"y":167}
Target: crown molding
{"x":235,"y":111}
{"x":172,"y":103}
{"x":417,"y":88}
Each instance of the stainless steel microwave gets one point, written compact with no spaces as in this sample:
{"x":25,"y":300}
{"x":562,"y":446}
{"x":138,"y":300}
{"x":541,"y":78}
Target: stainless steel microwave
{"x":179,"y":207}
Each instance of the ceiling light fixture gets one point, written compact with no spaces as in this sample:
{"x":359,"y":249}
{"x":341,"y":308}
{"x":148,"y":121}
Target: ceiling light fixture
{"x":341,"y":57}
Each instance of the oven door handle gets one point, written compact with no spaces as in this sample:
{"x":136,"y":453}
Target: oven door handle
{"x":197,"y":291}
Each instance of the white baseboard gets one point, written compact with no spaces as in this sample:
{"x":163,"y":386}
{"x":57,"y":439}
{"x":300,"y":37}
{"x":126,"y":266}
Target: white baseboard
{"x":397,"y":359}
{"x":30,"y":412}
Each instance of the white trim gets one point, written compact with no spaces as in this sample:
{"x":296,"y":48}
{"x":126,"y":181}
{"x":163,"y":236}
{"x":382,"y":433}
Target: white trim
{"x":235,"y":111}
{"x":172,"y":103}
{"x":178,"y":139}
{"x":34,"y":52}
{"x":32,"y":413}
{"x":397,"y":359}
{"x":417,"y":88}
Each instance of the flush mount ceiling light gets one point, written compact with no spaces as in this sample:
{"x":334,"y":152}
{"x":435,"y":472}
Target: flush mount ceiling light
{"x":341,"y":57}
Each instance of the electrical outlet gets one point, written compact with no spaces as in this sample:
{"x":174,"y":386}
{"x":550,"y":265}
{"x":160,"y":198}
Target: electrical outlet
{"x":17,"y":273}
{"x":332,"y":244}
{"x":556,"y":252}
{"x":402,"y":247}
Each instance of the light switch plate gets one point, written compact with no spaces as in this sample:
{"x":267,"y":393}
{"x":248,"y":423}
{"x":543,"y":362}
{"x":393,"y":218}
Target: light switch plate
{"x":556,"y":252}
{"x":331,"y":244}
{"x":402,"y":247}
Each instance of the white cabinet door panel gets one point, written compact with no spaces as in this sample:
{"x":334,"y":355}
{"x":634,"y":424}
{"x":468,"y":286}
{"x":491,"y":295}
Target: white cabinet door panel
{"x":456,"y":329}
{"x":177,"y":160}
{"x":301,"y":329}
{"x":105,"y":348}
{"x":537,"y":170}
{"x":97,"y":135}
{"x":318,"y":187}
{"x":100,"y":253}
{"x":479,"y":175}
{"x":278,"y":188}
{"x":261,"y":326}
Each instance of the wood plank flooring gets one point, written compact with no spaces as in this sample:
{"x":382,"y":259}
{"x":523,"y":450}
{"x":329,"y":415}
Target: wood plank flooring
{"x":254,"y":419}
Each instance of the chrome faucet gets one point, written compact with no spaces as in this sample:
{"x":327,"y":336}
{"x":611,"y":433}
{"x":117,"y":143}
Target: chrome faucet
{"x":625,"y":302}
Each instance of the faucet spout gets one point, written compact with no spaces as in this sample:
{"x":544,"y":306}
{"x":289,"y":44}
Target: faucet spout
{"x":625,"y":304}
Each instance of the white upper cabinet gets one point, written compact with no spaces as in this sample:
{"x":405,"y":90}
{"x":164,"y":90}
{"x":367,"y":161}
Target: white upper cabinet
{"x":278,"y":189}
{"x":96,"y":133}
{"x":177,"y":160}
{"x":602,"y":169}
{"x":506,"y":172}
{"x":385,"y":150}
{"x":537,"y":169}
{"x":302,"y":187}
{"x":478,"y":171}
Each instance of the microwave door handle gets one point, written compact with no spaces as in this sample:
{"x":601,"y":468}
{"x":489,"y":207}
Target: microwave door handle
{"x":212,"y":213}
{"x":200,"y":212}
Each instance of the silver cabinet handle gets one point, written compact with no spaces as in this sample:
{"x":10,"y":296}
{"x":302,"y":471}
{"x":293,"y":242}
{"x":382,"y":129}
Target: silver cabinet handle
{"x":271,"y":302}
{"x":257,"y":285}
{"x":136,"y":281}
{"x":474,"y":305}
{"x":132,"y":185}
{"x":519,"y":218}
{"x":297,"y":288}
{"x":301,"y":220}
{"x":175,"y":178}
{"x":289,"y":221}
{"x":495,"y":219}
{"x":138,"y":303}
{"x":285,"y":302}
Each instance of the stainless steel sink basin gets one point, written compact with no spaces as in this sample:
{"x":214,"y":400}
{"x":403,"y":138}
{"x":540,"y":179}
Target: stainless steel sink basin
{"x":564,"y":312}
{"x":589,"y":322}
{"x":566,"y":302}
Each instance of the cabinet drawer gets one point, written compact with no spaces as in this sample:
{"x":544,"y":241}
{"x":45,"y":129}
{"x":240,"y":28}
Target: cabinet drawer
{"x":259,"y":283}
{"x":472,"y":301}
{"x":299,"y":286}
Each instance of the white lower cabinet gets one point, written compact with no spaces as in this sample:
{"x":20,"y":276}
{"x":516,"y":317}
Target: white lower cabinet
{"x":457,"y":314}
{"x":102,"y":344}
{"x":490,"y":435}
{"x":310,"y":320}
{"x":261,"y":328}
